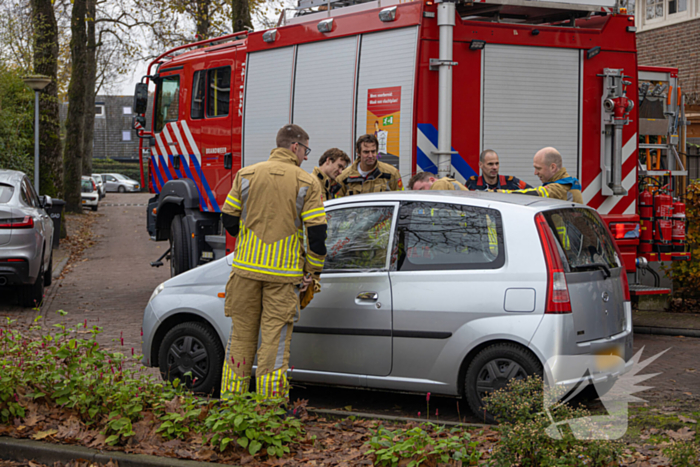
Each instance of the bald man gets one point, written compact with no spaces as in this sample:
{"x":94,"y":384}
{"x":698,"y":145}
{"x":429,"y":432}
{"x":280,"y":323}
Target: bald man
{"x":556,"y":181}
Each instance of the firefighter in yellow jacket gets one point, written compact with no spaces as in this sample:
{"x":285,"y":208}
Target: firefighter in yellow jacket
{"x":330,"y":166}
{"x":427,"y":181}
{"x":367,"y":174}
{"x":556,"y":181}
{"x":267,"y":210}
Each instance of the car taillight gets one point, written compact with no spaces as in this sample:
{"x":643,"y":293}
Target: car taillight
{"x":558,"y":300}
{"x":13,"y":260}
{"x":26,"y":222}
{"x":94,"y":186}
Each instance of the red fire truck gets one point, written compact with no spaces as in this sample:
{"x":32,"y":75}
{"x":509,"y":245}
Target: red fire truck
{"x":437,"y":82}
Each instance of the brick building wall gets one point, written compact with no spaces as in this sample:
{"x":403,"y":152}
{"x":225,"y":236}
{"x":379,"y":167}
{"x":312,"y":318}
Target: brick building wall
{"x":677,"y":45}
{"x":114,"y":137}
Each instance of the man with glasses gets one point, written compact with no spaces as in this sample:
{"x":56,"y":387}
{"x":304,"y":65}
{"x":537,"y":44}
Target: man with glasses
{"x":269,"y":208}
{"x":367,"y":174}
{"x":330,"y":166}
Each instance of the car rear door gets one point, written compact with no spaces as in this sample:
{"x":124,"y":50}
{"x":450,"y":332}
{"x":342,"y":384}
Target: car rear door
{"x":347,"y":327}
{"x":593,"y":272}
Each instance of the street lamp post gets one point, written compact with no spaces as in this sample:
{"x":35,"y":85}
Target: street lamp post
{"x":37,"y":83}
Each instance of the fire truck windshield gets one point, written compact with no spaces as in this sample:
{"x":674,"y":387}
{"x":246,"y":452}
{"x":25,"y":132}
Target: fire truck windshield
{"x":167,"y":101}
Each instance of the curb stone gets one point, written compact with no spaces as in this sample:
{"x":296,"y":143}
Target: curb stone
{"x":58,"y":269}
{"x":21,"y":450}
{"x":390,"y":418}
{"x":666,"y":331}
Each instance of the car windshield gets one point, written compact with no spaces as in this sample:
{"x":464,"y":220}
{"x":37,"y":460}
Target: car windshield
{"x":86,"y":186}
{"x":6,"y":193}
{"x":583,"y":238}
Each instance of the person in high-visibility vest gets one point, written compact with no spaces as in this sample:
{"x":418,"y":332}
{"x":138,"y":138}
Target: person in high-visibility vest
{"x":556,"y":181}
{"x":367,"y":174}
{"x":427,"y":181}
{"x":490,"y":178}
{"x":330,"y":166}
{"x":268,"y":209}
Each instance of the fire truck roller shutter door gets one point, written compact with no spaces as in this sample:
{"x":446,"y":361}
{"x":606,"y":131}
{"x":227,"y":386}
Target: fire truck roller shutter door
{"x":531,"y":101}
{"x":387,"y":60}
{"x":267,"y":101}
{"x":323,"y":94}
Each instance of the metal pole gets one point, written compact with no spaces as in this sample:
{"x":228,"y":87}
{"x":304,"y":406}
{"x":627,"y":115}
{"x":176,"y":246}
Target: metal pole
{"x":36,"y":141}
{"x":446,"y":23}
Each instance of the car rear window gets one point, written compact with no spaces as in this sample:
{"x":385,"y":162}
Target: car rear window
{"x":6,"y":192}
{"x":437,"y":236}
{"x":583,"y":238}
{"x":86,"y":186}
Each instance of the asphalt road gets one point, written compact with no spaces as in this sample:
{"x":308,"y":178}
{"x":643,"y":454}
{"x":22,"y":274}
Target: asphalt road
{"x":111,"y":287}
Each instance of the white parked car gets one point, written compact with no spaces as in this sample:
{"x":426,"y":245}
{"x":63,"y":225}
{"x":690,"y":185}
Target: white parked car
{"x":89,"y":193}
{"x":100,"y":185}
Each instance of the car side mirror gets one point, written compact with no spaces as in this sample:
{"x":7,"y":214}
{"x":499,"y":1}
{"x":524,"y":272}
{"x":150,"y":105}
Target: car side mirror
{"x":45,"y":201}
{"x":140,"y":98}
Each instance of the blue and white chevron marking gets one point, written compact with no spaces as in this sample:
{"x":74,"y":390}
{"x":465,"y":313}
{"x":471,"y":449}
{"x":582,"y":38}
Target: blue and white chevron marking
{"x":427,"y":140}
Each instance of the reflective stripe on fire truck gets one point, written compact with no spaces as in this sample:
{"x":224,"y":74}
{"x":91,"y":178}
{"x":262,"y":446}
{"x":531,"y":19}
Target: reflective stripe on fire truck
{"x":426,"y":142}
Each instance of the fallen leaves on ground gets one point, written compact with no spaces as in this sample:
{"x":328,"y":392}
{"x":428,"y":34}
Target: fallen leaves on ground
{"x":80,"y":237}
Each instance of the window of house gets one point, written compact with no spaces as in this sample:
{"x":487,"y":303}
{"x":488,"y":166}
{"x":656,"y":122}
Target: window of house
{"x":659,"y":12}
{"x":436,"y":236}
{"x":126,"y":110}
{"x":99,"y":110}
{"x":126,"y":135}
{"x":218,"y":91}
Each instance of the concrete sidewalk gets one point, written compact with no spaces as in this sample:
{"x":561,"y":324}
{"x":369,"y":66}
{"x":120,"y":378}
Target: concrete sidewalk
{"x":666,"y":323}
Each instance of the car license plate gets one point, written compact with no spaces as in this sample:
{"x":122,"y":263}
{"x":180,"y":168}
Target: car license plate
{"x":610,"y":357}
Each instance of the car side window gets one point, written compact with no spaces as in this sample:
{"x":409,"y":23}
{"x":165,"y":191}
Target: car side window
{"x":111,"y":179}
{"x":358,"y":238}
{"x":197,"y":108}
{"x":219,"y":90}
{"x":436,"y":236}
{"x":25,"y":195}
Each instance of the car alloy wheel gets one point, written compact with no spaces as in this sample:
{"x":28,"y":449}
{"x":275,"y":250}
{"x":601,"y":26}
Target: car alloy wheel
{"x":194,"y":348}
{"x":492,"y":369}
{"x":122,"y":189}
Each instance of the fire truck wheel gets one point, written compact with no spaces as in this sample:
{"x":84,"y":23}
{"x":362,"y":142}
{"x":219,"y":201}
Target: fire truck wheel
{"x":194,"y":348}
{"x":179,"y":250}
{"x":492,"y":369}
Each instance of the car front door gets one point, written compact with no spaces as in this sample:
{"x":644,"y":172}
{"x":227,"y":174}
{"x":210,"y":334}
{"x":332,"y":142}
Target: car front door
{"x":111,"y":183}
{"x":346,"y":329}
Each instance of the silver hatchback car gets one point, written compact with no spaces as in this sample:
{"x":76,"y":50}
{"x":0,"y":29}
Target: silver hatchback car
{"x":452,"y":293}
{"x":26,"y":238}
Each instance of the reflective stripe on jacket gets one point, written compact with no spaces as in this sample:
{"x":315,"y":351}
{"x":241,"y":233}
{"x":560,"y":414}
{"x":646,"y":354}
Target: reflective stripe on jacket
{"x":275,"y":200}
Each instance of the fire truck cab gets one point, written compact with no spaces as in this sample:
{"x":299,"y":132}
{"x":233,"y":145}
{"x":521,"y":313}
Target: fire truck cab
{"x":436,"y":82}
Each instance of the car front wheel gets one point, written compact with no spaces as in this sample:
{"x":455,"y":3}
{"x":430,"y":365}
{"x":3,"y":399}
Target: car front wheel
{"x":492,"y":369}
{"x":194,"y":348}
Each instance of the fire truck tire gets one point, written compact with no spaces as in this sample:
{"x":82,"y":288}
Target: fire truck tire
{"x":492,"y":369}
{"x":196,"y":348}
{"x":179,"y":249}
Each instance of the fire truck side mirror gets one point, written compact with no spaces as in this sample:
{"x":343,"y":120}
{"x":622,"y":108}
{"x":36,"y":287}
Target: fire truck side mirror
{"x":140,"y":98}
{"x":228,"y":160}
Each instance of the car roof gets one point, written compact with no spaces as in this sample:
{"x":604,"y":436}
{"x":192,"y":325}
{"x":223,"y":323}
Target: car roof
{"x":479,"y":198}
{"x":11,"y":176}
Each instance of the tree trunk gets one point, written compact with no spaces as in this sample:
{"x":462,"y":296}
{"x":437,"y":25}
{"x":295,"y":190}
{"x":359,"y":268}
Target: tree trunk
{"x":75,"y":121}
{"x":240,"y":15}
{"x":91,"y":77}
{"x":202,"y":18}
{"x":46,"y":63}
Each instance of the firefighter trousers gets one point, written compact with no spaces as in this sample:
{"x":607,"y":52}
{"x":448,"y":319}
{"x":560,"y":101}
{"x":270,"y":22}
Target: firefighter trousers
{"x":259,"y":308}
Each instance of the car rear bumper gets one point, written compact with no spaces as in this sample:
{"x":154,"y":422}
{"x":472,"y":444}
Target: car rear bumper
{"x":14,"y":273}
{"x":92,"y":200}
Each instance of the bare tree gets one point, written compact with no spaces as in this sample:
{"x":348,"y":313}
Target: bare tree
{"x":90,"y":79}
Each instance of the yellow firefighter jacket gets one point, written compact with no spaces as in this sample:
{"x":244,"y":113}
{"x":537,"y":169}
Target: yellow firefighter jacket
{"x":447,"y":183}
{"x":384,"y":177}
{"x":329,"y":187}
{"x":562,"y":186}
{"x":275,"y":200}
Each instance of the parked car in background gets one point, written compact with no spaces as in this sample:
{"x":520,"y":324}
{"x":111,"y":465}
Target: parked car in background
{"x":26,"y":238}
{"x":100,"y":185}
{"x":89,"y":194}
{"x":452,"y":293}
{"x":120,"y":183}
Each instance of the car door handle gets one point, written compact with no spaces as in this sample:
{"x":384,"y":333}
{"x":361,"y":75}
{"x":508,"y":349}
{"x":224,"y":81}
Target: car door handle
{"x":374,"y":296}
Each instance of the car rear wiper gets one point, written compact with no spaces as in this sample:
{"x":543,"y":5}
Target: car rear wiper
{"x":601,"y":266}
